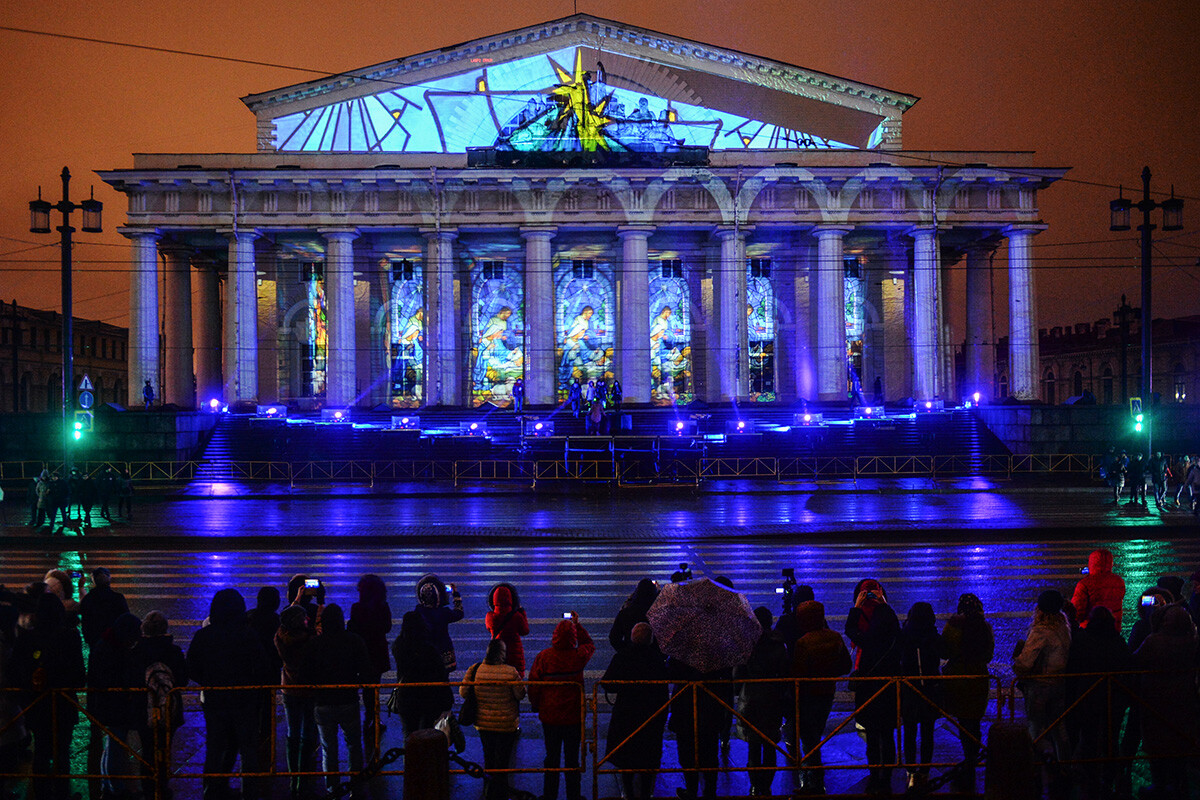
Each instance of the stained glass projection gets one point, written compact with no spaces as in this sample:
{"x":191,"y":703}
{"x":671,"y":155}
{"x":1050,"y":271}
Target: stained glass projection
{"x":760,"y":328}
{"x":498,"y":330}
{"x":584,"y":318}
{"x":670,"y":334}
{"x":406,"y":331}
{"x":316,"y":342}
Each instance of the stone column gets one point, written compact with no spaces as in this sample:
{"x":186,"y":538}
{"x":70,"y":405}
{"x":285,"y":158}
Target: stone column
{"x":729,"y":298}
{"x":1022,"y":315}
{"x":925,"y":334}
{"x":541,"y":369}
{"x":806,"y":324}
{"x":143,"y":314}
{"x":177,"y":318}
{"x":979,"y":355}
{"x":442,"y":354}
{"x":241,"y":321}
{"x":341,"y":385}
{"x":207,"y":333}
{"x":633,"y":357}
{"x":946,"y":384}
{"x":831,"y":315}
{"x":897,"y":316}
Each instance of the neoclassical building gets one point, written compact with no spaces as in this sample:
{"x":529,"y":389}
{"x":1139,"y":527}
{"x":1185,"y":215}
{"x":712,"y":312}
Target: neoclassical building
{"x":576,"y":200}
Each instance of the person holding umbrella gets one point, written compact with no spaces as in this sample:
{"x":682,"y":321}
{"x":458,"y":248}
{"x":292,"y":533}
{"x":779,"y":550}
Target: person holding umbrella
{"x":705,"y":629}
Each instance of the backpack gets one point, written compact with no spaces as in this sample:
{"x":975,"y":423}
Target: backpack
{"x":161,"y":697}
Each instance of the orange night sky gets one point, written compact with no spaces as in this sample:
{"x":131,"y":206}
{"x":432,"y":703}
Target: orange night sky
{"x":1102,"y":87}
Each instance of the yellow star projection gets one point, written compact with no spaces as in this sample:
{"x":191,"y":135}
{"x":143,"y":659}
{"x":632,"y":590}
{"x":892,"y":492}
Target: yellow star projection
{"x":576,"y":109}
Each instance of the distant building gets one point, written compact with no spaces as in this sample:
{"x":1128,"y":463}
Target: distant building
{"x":1105,"y":358}
{"x":31,"y":359}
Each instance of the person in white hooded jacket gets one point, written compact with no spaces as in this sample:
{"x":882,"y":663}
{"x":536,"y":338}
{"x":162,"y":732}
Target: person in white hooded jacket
{"x":1039,"y":661}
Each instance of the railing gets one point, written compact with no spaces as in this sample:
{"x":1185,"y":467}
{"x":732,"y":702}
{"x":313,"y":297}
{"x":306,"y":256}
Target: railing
{"x":662,"y":467}
{"x":1102,"y":696}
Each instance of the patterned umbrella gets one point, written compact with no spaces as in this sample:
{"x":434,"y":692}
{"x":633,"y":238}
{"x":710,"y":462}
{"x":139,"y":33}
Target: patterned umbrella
{"x":704,"y":624}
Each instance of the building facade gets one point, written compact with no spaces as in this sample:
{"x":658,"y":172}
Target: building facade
{"x":574,"y":201}
{"x":31,"y":359}
{"x":1104,"y":358}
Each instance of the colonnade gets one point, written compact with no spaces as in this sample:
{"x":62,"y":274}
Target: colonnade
{"x":222,"y":361}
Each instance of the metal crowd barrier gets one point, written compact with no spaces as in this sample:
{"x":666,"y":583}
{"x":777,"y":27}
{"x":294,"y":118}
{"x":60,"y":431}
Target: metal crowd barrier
{"x":785,"y":469}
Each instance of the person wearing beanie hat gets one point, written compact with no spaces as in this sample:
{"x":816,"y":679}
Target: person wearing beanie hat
{"x":968,"y":645}
{"x":763,"y":704}
{"x":1039,"y":661}
{"x":817,"y":653}
{"x":157,"y":654}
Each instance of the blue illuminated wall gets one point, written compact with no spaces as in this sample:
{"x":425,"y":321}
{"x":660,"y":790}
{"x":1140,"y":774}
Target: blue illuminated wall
{"x":670,"y":335}
{"x":406,"y":330}
{"x":584,"y":314}
{"x":545,"y":102}
{"x":760,"y":324}
{"x":497,"y":330}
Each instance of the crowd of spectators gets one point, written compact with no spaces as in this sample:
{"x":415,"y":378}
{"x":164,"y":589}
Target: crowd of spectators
{"x":321,"y":659}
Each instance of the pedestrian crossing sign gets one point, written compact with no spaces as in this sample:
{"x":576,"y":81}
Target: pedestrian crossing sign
{"x":1135,"y":406}
{"x":86,"y":384}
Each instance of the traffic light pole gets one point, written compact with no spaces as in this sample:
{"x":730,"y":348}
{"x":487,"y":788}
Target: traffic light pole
{"x":1146,"y":206}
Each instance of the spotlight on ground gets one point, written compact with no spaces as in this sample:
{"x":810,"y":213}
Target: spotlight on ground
{"x":272,"y":411}
{"x":807,"y":419}
{"x":682,"y":427}
{"x":539,"y":427}
{"x":335,"y":415}
{"x":472,"y":429}
{"x":406,"y":423}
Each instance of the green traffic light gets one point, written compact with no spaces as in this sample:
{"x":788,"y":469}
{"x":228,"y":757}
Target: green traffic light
{"x":1138,"y":427}
{"x":78,"y":435}
{"x":1138,"y":418}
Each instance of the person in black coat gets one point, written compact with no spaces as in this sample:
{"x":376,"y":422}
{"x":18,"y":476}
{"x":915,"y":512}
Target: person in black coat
{"x":157,"y":647}
{"x":632,"y":612}
{"x":110,"y":667}
{"x":636,"y":706}
{"x":338,"y":657}
{"x":698,"y":732}
{"x":1098,"y":648}
{"x":49,"y":656}
{"x":763,"y":705}
{"x":228,"y":652}
{"x":920,"y":657}
{"x":100,"y":607}
{"x":419,"y":661}
{"x":874,"y":630}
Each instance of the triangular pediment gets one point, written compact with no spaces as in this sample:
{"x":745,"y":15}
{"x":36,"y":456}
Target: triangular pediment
{"x":580,"y":83}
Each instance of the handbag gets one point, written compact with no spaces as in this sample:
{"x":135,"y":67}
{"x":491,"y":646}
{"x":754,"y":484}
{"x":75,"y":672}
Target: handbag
{"x":449,"y":726}
{"x":469,"y":712}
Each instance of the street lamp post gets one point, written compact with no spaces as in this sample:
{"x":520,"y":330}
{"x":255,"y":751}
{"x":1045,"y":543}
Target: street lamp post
{"x":1172,"y":221}
{"x":39,"y":222}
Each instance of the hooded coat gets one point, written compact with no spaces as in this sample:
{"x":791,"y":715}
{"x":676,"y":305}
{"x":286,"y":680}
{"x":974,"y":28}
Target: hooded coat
{"x":111,"y":666}
{"x":1100,"y":587}
{"x":508,"y":624}
{"x":228,"y":652}
{"x":1169,"y":687}
{"x":879,"y":654}
{"x":564,"y":660}
{"x":818,"y":653}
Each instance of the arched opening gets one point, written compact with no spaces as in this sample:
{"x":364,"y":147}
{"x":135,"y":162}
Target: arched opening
{"x":1077,"y":384}
{"x":1106,"y":385}
{"x":1048,"y":388}
{"x":1002,"y":387}
{"x":1179,"y":383}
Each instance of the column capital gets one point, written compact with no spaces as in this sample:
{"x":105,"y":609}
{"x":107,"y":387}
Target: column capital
{"x":634,"y":231}
{"x":543,"y":233}
{"x":139,"y":233}
{"x":920,"y":230}
{"x":340,"y":234}
{"x":240,"y":234}
{"x":444,"y":234}
{"x":729,"y":233}
{"x":1022,"y":230}
{"x":822,"y":231}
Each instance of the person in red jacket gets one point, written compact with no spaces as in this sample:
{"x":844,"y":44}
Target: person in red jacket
{"x":1100,"y":586}
{"x":508,"y":624}
{"x":560,"y":706}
